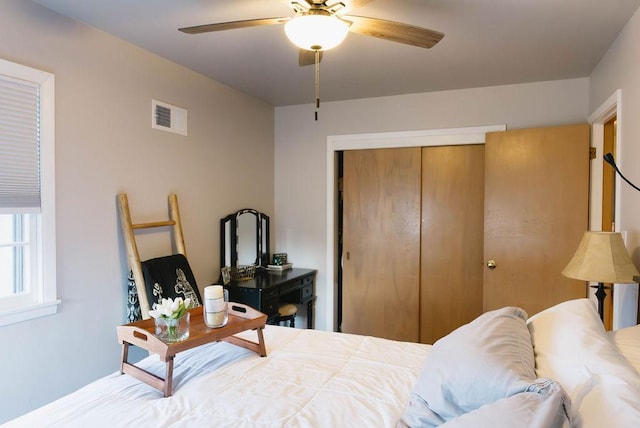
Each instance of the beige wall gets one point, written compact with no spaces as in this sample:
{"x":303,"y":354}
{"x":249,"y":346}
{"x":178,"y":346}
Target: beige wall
{"x":301,"y":149}
{"x":620,"y":69}
{"x":105,"y":145}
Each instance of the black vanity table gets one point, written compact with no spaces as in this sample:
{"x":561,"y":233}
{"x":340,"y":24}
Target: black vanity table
{"x":244,"y":241}
{"x":267,"y":290}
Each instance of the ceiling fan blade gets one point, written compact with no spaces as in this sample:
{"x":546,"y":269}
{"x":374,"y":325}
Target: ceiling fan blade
{"x":353,"y":4}
{"x":394,"y":31}
{"x":306,"y":57}
{"x":232,"y":25}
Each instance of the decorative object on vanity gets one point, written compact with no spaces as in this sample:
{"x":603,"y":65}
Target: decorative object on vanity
{"x":280,"y":259}
{"x":225,"y":273}
{"x":279,"y":263}
{"x":244,"y":239}
{"x":243,"y":272}
{"x":603,"y":258}
{"x":279,"y":268}
{"x":214,"y":310}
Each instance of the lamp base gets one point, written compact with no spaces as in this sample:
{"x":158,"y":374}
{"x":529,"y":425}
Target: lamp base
{"x":601,"y":294}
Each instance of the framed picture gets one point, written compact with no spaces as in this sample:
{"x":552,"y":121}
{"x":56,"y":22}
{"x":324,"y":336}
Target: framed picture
{"x":226,"y":275}
{"x":280,"y":259}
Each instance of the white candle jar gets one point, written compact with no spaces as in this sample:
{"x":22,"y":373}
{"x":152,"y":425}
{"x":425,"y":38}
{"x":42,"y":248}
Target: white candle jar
{"x":214,"y":310}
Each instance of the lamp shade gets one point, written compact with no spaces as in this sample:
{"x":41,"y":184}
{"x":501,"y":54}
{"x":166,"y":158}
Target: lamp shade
{"x":601,"y":257}
{"x":316,"y":31}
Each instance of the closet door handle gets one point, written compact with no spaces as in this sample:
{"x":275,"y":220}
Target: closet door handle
{"x":491,"y":264}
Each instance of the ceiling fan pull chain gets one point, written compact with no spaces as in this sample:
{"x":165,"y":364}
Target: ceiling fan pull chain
{"x":317,"y":51}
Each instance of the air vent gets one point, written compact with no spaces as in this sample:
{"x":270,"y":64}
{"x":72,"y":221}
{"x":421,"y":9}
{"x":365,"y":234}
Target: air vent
{"x":167,"y":117}
{"x":163,"y":116}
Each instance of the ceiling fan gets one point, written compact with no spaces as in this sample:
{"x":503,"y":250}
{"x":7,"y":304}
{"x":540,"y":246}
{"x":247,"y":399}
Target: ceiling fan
{"x":333,"y":15}
{"x":319,"y":25}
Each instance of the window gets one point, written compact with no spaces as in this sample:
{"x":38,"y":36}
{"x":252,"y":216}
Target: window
{"x":27,"y":199}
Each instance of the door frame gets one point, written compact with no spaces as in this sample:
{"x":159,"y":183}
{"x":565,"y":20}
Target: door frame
{"x":625,"y":298}
{"x":602,"y":115}
{"x":381,"y":140}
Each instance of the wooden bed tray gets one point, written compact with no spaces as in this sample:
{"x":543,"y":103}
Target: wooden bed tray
{"x":141,"y":333}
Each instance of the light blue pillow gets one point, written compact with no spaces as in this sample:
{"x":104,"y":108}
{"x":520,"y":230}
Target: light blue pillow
{"x":544,"y":409}
{"x":479,"y":363}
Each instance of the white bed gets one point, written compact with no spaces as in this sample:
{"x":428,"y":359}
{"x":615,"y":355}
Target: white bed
{"x":319,"y":379}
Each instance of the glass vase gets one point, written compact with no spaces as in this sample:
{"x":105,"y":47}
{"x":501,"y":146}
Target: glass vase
{"x":171,"y":330}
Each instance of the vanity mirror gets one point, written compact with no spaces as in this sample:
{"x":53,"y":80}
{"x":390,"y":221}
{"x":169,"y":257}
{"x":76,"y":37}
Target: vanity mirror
{"x":244,"y":239}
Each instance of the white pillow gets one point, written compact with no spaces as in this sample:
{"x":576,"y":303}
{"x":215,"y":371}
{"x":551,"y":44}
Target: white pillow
{"x":572,"y":347}
{"x":627,"y":340}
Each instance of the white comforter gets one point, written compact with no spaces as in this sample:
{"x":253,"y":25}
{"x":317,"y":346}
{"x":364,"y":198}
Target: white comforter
{"x":319,"y":379}
{"x":309,"y":379}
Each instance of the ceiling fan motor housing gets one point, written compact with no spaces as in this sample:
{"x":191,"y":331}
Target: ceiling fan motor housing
{"x":316,"y":29}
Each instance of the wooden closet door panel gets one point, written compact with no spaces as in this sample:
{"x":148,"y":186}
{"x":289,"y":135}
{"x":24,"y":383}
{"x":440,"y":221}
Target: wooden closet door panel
{"x":452,"y":238}
{"x":381,"y":241}
{"x":536,"y":210}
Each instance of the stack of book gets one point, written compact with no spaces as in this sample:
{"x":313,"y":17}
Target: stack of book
{"x":280,"y":268}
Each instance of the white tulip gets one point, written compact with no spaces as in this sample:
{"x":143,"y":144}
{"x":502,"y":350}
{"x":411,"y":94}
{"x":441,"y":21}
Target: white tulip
{"x":169,"y":308}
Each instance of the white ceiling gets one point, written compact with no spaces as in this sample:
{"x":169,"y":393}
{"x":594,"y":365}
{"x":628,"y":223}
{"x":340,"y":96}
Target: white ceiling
{"x":487,"y":42}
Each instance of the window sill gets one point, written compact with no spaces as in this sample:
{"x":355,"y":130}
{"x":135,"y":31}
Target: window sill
{"x":29,"y":312}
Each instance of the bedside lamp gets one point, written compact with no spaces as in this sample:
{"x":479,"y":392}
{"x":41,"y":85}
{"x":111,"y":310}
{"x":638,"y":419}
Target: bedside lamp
{"x":601,"y":257}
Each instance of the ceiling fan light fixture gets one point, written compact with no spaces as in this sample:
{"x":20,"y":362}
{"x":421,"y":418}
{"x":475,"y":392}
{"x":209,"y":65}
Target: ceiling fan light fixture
{"x":316,"y":31}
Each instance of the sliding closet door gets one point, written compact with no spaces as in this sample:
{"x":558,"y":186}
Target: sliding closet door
{"x":452,"y":237}
{"x":381,"y":243}
{"x":536,"y":210}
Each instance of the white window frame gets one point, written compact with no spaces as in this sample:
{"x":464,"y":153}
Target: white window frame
{"x":43,"y":294}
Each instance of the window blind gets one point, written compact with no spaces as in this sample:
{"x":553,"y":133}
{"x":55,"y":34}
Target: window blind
{"x":19,"y":145}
